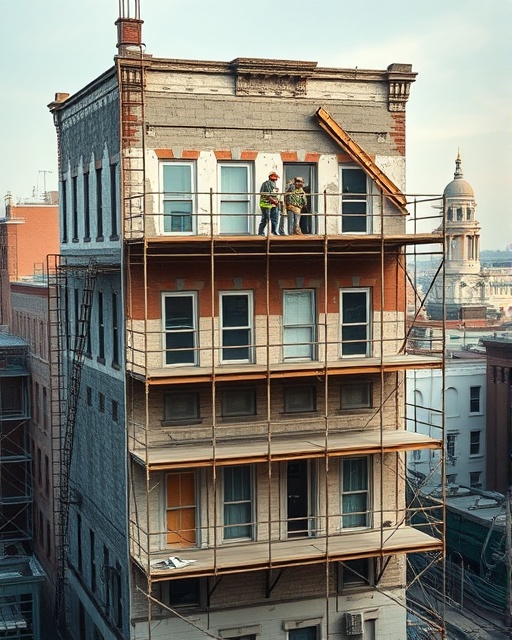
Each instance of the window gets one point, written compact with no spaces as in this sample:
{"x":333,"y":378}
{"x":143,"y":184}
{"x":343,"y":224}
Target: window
{"x":46,"y":475}
{"x":115,"y":411}
{"x":87,"y":208}
{"x":99,"y":205}
{"x":237,"y":502}
{"x":181,"y":407}
{"x":106,"y":577}
{"x":355,"y":495}
{"x":76,"y":316}
{"x":474,"y":479}
{"x":235,"y":200}
{"x":79,"y":542}
{"x":37,"y":403}
{"x":180,"y":325}
{"x":451,"y":478}
{"x":178,"y":203}
{"x":236,"y":327}
{"x":356,"y":396}
{"x":299,"y":325}
{"x":113,"y":201}
{"x":39,"y":468}
{"x":92,"y":568}
{"x":45,"y":408}
{"x":89,"y":396}
{"x":304,"y":633}
{"x":64,"y":209}
{"x":181,"y":509}
{"x":101,"y":402}
{"x":356,"y":574}
{"x":115,"y":330}
{"x":300,"y":399}
{"x":355,"y":322}
{"x":474,"y":443}
{"x":74,"y":205}
{"x":115,"y":595}
{"x":452,"y":402}
{"x":238,"y":402}
{"x":182,"y":593}
{"x":101,"y":329}
{"x":12,"y":397}
{"x":450,"y":444}
{"x":355,"y":214}
{"x":308,"y":222}
{"x":474,"y":399}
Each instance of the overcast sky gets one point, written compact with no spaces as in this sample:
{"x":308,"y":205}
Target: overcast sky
{"x":461,"y":50}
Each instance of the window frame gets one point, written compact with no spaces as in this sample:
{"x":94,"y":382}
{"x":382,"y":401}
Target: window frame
{"x":312,"y":326}
{"x":194,"y":330}
{"x":368,"y":323}
{"x":193,"y":417}
{"x":250,"y":526}
{"x":248,"y":198}
{"x":475,"y":401}
{"x":355,"y":197}
{"x":300,"y":389}
{"x":475,"y":475}
{"x":363,"y":580}
{"x":357,"y":406}
{"x":239,"y":392}
{"x":472,"y":444}
{"x":199,"y":597}
{"x":366,"y":490}
{"x":249,"y":328}
{"x":179,"y":196}
{"x":451,"y":444}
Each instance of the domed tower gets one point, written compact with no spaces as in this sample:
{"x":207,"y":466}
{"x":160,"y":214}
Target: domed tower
{"x":462,"y":229}
{"x":464,"y":286}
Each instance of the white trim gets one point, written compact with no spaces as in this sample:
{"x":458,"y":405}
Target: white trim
{"x":250,"y":326}
{"x":194,"y":330}
{"x":364,"y":198}
{"x":368,"y":323}
{"x":248,"y":197}
{"x":160,"y":223}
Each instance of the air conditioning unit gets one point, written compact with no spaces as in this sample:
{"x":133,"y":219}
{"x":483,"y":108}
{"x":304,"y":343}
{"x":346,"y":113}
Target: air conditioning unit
{"x":354,"y":624}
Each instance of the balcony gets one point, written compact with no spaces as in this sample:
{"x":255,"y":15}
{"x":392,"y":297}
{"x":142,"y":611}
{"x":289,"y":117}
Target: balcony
{"x":337,"y":221}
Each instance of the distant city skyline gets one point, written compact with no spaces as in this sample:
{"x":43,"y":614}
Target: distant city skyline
{"x":461,"y":100}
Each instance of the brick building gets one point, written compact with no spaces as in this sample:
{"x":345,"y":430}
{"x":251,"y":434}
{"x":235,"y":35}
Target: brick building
{"x":234,"y":437}
{"x":499,"y":422}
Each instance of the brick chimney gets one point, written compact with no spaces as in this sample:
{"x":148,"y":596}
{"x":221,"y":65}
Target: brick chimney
{"x":129,"y":35}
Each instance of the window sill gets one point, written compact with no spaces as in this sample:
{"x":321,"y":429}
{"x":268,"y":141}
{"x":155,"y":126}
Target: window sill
{"x":100,"y":238}
{"x":300,"y":414}
{"x":100,"y":360}
{"x":114,"y":237}
{"x":243,"y":418}
{"x":181,"y":423}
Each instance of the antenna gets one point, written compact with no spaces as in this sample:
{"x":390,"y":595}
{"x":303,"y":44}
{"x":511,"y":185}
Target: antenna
{"x":129,"y":9}
{"x":44,"y":172}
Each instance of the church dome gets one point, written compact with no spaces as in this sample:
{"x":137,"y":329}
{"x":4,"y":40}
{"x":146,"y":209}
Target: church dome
{"x":458,"y":187}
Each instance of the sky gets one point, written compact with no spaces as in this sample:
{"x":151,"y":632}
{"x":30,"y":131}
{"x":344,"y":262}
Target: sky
{"x":461,"y":50}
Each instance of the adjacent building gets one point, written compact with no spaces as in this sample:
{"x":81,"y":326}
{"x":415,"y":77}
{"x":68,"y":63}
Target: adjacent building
{"x":470,"y":292}
{"x":233,"y":423}
{"x":498,"y":406}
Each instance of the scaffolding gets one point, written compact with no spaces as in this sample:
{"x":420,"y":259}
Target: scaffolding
{"x":209,"y":412}
{"x":271,"y":440}
{"x":68,"y":334}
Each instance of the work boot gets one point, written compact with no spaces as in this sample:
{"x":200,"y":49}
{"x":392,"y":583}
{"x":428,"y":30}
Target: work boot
{"x":297,"y":230}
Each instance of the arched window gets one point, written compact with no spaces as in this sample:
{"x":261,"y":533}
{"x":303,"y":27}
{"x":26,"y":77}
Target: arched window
{"x":451,"y":402}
